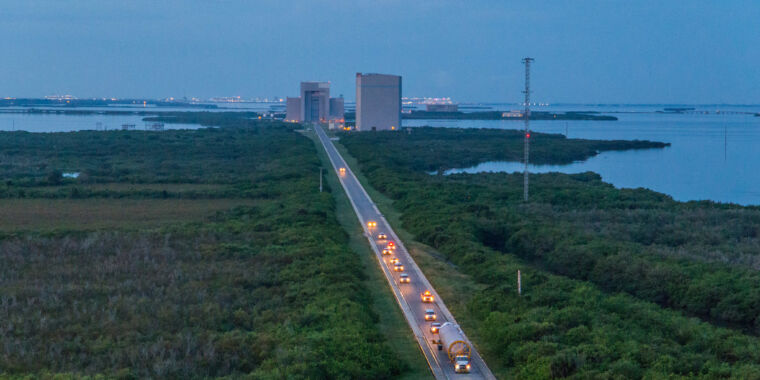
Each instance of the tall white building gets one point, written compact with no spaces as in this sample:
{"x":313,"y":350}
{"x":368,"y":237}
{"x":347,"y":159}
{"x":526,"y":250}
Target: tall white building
{"x":378,"y":102}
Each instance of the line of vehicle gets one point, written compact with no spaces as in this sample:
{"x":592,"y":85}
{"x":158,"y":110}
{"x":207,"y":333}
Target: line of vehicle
{"x":486,"y":372}
{"x":428,"y":348}
{"x":430,"y":357}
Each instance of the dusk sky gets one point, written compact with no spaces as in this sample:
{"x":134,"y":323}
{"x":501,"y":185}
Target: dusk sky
{"x":585,"y":51}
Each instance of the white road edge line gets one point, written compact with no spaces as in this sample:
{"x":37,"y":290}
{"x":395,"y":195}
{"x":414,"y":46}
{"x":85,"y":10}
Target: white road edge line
{"x":436,"y":369}
{"x":438,"y":301}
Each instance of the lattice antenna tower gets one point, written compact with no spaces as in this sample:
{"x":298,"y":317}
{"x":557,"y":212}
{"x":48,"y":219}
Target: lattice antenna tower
{"x":526,"y":149}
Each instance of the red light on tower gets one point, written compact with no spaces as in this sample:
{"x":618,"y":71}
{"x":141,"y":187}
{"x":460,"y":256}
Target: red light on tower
{"x":527,"y":135}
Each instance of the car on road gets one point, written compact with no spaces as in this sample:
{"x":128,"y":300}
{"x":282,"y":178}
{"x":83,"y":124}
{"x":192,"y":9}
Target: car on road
{"x":404,"y":278}
{"x":371,"y":224}
{"x":427,"y":297}
{"x":391,"y":245}
{"x":342,"y":170}
{"x":386,"y":251}
{"x":430,"y":315}
{"x":398,"y":267}
{"x":382,"y":236}
{"x":394,"y":260}
{"x":434,"y":327}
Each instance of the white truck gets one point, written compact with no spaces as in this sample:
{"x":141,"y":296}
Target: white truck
{"x":453,"y":341}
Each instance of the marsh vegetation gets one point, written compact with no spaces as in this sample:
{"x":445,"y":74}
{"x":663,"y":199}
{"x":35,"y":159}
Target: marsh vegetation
{"x":618,"y":282}
{"x":179,"y":254}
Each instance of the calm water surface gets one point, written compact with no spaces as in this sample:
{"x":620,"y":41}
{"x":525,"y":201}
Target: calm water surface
{"x":13,"y":118}
{"x":714,"y":157}
{"x":68,"y":123}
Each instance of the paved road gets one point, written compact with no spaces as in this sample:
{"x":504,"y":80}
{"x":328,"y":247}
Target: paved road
{"x":407,"y":295}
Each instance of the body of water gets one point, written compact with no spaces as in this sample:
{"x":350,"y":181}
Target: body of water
{"x":14,"y":118}
{"x":711,"y":157}
{"x":68,"y":123}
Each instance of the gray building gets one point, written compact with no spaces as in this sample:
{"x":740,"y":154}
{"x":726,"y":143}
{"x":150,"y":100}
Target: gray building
{"x":293,"y":110}
{"x":336,"y":108}
{"x":315,"y":101}
{"x":337,"y":114}
{"x":315,"y":105}
{"x":378,"y":102}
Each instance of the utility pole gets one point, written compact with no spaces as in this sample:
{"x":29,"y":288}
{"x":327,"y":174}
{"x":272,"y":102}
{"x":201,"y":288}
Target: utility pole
{"x":526,"y":149}
{"x":519,"y":283}
{"x":320,"y":180}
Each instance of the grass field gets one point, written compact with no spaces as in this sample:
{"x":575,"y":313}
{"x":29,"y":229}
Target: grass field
{"x":127,"y":187}
{"x":89,"y":214}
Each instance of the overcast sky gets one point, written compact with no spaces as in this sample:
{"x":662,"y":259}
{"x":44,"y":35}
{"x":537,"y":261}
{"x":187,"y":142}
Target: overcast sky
{"x":585,"y":51}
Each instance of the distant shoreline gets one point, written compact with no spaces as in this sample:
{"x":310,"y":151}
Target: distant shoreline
{"x":500,"y":115}
{"x":74,"y":103}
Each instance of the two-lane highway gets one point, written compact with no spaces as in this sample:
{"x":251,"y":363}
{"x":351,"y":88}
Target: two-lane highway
{"x":407,"y":294}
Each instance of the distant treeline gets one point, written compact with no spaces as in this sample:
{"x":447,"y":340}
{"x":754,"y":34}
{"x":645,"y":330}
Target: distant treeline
{"x":208,"y":119}
{"x":499,"y":115}
{"x":446,"y":148}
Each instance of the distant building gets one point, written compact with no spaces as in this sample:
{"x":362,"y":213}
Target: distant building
{"x":512,"y":114}
{"x":336,"y":108}
{"x":315,"y":105}
{"x":315,"y":101}
{"x":442,"y":107}
{"x":293,"y":110}
{"x":337,"y":119}
{"x":378,"y":102}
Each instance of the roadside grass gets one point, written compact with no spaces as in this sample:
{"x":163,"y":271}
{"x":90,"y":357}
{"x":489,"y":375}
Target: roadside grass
{"x":82,"y":190}
{"x":95,"y":213}
{"x":454,"y":287}
{"x":391,"y":321}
